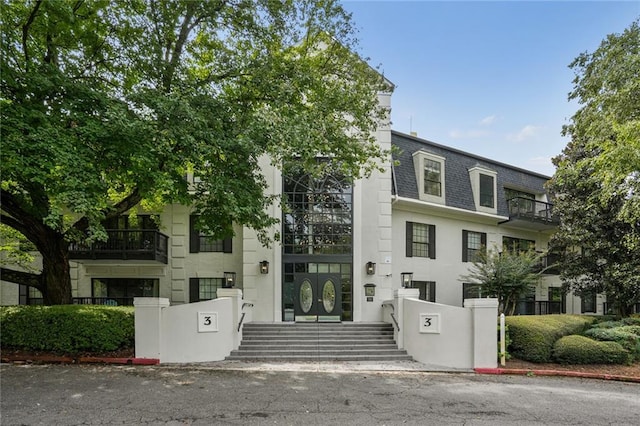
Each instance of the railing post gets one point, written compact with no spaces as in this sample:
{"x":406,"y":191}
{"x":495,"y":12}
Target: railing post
{"x":148,"y":326}
{"x":484,"y":315}
{"x":236,"y":301}
{"x":399,"y":296}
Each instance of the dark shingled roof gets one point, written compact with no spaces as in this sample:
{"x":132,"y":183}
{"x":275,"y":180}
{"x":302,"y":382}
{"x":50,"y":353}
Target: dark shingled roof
{"x":458,"y":191}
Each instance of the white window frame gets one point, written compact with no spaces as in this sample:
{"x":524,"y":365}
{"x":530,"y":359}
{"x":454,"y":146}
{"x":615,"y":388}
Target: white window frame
{"x":474,"y":176}
{"x":419,"y":158}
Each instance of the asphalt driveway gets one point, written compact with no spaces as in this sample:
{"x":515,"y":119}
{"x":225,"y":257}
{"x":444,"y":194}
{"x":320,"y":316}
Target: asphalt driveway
{"x":190,"y":395}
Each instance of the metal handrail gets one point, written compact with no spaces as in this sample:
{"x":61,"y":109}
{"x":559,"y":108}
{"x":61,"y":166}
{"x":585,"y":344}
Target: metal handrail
{"x":392,"y":314}
{"x":249,"y":304}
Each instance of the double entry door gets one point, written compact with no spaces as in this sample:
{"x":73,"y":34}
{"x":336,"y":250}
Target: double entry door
{"x":317,"y":298}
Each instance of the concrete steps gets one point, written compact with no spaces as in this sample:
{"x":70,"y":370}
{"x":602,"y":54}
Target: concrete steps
{"x":318,"y":342}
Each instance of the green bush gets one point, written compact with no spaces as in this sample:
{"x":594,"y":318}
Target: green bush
{"x":67,"y":329}
{"x":627,"y":336}
{"x":533,"y":336}
{"x":576,"y":349}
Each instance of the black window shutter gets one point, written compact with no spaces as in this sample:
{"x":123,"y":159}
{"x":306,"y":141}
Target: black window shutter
{"x":465,"y":242}
{"x":409,"y":239}
{"x":194,"y":290}
{"x":483,"y":241}
{"x":227,"y":245}
{"x":194,"y":236}
{"x":432,"y":241}
{"x":432,"y":291}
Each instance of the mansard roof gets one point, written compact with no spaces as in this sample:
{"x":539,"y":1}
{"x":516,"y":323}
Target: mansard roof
{"x":458,"y":191}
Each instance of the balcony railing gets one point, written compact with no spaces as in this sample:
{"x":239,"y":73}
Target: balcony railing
{"x":106,"y":301}
{"x":540,"y":308}
{"x":125,"y":244}
{"x":531,"y":214}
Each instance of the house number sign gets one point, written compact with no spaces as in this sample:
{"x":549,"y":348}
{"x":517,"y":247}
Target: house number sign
{"x":207,"y":322}
{"x":430,"y":323}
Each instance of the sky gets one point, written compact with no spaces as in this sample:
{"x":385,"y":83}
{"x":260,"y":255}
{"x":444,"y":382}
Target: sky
{"x":489,"y":78}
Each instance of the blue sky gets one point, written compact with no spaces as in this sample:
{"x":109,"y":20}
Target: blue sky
{"x":490,"y":78}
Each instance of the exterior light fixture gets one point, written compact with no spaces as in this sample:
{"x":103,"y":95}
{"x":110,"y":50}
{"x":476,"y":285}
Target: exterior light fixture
{"x":371,"y":268}
{"x":264,"y":267}
{"x":229,"y":279}
{"x":407,"y":279}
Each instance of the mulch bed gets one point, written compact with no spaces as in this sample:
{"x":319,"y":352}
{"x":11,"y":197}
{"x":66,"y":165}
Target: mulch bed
{"x":632,"y":370}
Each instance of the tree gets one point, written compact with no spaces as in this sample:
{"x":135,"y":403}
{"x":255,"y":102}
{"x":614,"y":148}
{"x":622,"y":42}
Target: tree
{"x":597,"y":181}
{"x":506,"y":275}
{"x":106,"y":105}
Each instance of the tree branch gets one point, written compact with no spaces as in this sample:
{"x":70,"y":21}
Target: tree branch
{"x":123,"y":206}
{"x":24,"y":278}
{"x":25,"y":32}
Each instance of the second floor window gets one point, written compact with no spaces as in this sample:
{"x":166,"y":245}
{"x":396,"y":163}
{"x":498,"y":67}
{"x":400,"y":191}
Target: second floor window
{"x":421,"y":240}
{"x":200,"y":241}
{"x":473,"y":244}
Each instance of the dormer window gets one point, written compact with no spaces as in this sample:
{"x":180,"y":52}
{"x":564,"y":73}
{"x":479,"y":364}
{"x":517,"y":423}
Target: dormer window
{"x":483,"y":185}
{"x":487,"y":193}
{"x":429,"y":170}
{"x":432,"y":178}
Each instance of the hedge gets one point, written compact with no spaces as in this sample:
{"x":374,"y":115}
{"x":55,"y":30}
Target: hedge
{"x":67,"y":329}
{"x":627,"y":336}
{"x":533,"y":336}
{"x":576,"y":349}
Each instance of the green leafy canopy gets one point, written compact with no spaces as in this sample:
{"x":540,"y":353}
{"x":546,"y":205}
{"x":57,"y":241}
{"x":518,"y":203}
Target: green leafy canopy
{"x":106,"y":105}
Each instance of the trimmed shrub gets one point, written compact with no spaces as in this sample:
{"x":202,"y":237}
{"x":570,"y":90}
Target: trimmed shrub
{"x":627,"y":336}
{"x":67,"y":329}
{"x":533,"y":336}
{"x":576,"y":349}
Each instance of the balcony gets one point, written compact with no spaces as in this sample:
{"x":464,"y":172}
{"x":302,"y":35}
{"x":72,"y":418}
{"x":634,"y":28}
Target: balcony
{"x":125,"y":244}
{"x":530,"y":214}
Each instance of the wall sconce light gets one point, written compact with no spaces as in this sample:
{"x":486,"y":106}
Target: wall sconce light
{"x":264,"y":267}
{"x":407,"y":279}
{"x":229,"y":279}
{"x":371,"y":268}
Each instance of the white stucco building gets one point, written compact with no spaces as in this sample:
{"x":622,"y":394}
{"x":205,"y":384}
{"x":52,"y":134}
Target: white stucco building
{"x":344,"y":247}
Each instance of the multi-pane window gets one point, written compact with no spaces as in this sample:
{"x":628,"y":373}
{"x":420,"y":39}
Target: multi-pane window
{"x":201,"y":241}
{"x":427,"y":290}
{"x":318,"y":215}
{"x":471,"y":291}
{"x":518,"y":245}
{"x":421,"y":240}
{"x":204,"y":288}
{"x":473,"y":245}
{"x":123,"y":290}
{"x":487,"y":194}
{"x":432,"y":177}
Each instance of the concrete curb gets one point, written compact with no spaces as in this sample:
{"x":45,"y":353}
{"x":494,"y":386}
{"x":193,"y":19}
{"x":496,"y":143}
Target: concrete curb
{"x":562,"y":373}
{"x":50,"y":359}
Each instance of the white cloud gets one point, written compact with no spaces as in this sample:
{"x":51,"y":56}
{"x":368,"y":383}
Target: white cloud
{"x":467,"y":134}
{"x":487,"y":121}
{"x":526,"y":132}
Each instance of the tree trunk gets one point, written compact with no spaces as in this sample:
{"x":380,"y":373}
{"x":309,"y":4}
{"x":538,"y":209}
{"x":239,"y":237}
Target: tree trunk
{"x":56,"y":289}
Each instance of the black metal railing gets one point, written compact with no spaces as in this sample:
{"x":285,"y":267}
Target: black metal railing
{"x":526,"y":208}
{"x":609,"y":308}
{"x":540,"y":308}
{"x":106,"y":301}
{"x":125,"y":244}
